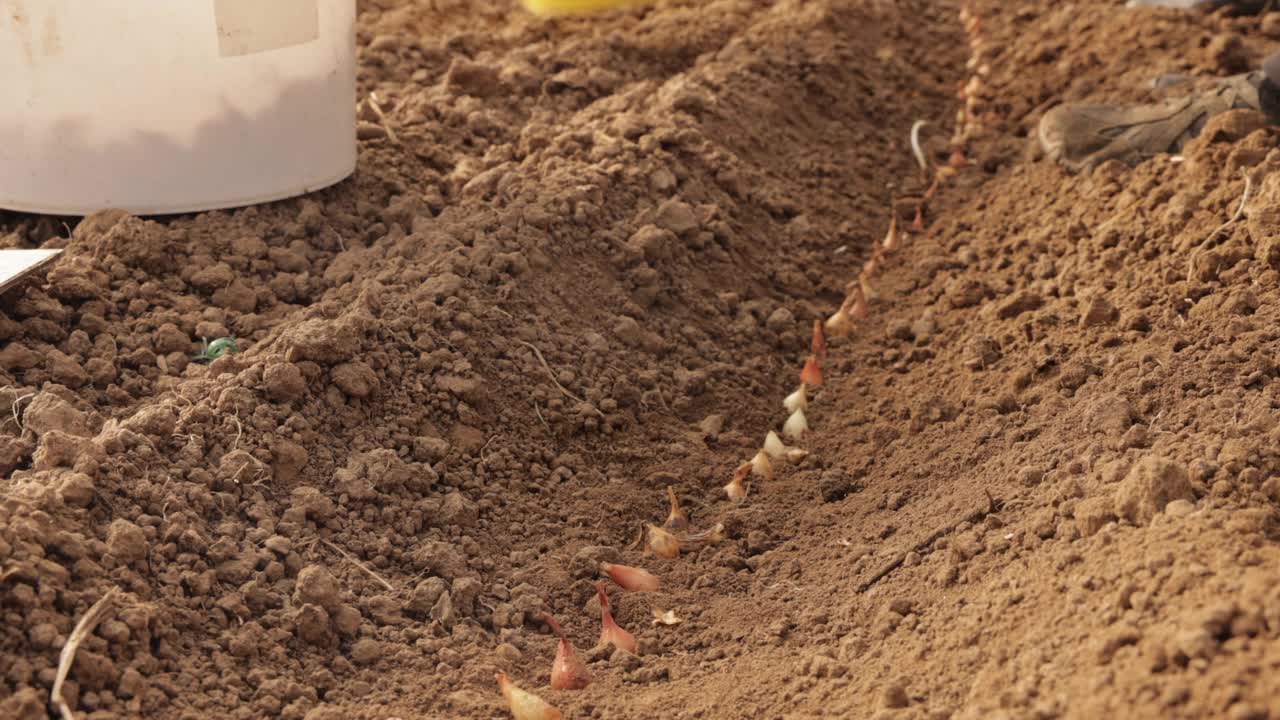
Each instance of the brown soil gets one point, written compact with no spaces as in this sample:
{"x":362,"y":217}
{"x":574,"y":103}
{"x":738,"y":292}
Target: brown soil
{"x":1043,"y":478}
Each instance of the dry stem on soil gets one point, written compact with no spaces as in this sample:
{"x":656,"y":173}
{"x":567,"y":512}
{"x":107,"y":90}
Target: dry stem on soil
{"x":82,"y":630}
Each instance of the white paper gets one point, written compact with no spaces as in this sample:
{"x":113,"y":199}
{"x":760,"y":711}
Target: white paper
{"x":14,"y":264}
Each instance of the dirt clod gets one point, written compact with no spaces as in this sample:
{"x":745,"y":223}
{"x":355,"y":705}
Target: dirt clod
{"x":316,"y":586}
{"x":126,"y":541}
{"x":1152,"y":484}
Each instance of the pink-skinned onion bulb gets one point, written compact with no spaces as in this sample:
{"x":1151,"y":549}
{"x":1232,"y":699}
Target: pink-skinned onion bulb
{"x":811,"y":375}
{"x":630,"y":578}
{"x":567,"y":671}
{"x":818,"y":343}
{"x":610,"y":632}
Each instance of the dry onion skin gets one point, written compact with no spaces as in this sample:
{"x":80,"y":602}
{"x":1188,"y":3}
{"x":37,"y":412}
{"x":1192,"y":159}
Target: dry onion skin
{"x":795,"y":456}
{"x":666,"y":618}
{"x":696,"y":541}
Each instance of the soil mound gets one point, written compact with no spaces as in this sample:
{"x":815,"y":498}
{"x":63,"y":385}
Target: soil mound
{"x":573,"y":268}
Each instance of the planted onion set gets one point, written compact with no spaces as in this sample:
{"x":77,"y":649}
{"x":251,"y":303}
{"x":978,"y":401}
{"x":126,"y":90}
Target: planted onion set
{"x":675,"y":535}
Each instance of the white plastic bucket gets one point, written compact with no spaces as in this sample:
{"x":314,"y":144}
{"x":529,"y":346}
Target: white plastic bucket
{"x":166,"y":106}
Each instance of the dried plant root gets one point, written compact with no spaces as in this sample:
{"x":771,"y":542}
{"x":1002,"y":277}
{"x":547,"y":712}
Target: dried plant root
{"x":692,"y":542}
{"x":96,"y":613}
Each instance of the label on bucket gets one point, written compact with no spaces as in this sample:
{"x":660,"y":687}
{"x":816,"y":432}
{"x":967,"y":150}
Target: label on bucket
{"x":246,"y":27}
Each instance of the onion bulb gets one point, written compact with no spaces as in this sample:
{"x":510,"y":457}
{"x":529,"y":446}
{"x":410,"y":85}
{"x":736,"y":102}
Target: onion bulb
{"x":676,"y":519}
{"x":525,"y":705}
{"x":872,"y":265}
{"x":630,"y":578}
{"x":610,"y":633}
{"x":774,"y":445}
{"x":865,"y":291}
{"x":818,"y":344}
{"x":796,"y":400}
{"x":839,"y":324}
{"x":778,"y":450}
{"x":858,"y":306}
{"x":735,"y":489}
{"x":567,"y":671}
{"x":811,"y":375}
{"x":662,"y":543}
{"x":853,"y":308}
{"x":796,"y":426}
{"x":761,"y":466}
{"x":891,"y":237}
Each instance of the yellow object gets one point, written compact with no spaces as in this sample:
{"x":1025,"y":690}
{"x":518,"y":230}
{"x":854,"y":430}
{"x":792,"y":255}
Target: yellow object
{"x":552,"y":8}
